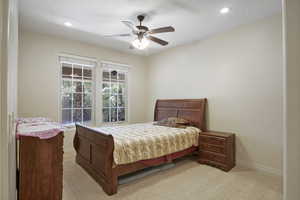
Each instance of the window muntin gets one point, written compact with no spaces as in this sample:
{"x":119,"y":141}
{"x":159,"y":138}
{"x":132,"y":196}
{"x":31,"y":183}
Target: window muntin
{"x":114,"y":95}
{"x":76,"y":93}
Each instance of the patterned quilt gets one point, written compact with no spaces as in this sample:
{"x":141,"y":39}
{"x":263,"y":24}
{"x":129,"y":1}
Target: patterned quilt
{"x":147,"y":141}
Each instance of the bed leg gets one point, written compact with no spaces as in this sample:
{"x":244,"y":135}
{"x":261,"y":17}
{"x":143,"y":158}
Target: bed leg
{"x":112,"y":186}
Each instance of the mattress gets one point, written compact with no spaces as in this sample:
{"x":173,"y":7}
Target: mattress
{"x":144,"y":141}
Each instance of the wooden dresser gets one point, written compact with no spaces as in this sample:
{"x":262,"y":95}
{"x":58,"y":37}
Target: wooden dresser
{"x":40,"y":166}
{"x":217,"y":149}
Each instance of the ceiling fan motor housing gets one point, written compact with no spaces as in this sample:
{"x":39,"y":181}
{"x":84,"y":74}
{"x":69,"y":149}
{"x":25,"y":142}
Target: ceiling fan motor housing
{"x":143,"y":28}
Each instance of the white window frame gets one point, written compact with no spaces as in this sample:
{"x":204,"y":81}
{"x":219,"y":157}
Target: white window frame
{"x":108,"y":65}
{"x":85,"y":62}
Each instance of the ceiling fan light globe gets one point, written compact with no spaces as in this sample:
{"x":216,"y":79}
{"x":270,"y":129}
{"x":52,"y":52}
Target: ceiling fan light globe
{"x":140,"y":44}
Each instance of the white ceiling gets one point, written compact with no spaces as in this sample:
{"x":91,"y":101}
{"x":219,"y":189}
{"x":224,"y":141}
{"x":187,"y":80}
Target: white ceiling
{"x":91,"y":19}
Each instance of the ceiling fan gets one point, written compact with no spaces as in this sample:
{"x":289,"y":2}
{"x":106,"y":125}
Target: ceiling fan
{"x":143,"y":33}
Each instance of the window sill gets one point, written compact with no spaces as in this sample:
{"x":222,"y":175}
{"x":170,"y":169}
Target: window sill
{"x":72,"y":127}
{"x":69,"y":127}
{"x":114,"y":123}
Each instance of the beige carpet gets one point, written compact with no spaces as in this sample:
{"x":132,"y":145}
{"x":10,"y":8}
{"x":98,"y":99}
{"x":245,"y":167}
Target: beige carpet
{"x":187,"y":181}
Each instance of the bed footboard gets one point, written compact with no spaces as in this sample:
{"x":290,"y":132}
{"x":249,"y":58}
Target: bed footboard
{"x":94,"y":152}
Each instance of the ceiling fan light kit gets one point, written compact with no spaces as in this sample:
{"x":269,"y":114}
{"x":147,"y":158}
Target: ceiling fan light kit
{"x":140,"y":43}
{"x":144,"y":34}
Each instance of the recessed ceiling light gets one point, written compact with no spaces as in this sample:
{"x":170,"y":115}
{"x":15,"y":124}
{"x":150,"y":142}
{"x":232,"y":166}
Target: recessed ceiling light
{"x":68,"y":24}
{"x":224,"y":10}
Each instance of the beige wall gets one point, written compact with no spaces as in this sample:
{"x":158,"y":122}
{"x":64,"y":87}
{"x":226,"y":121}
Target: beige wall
{"x":39,"y":74}
{"x":240,"y":72}
{"x":292,"y":120}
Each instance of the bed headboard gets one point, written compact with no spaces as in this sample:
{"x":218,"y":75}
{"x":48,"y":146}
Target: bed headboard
{"x":190,"y":109}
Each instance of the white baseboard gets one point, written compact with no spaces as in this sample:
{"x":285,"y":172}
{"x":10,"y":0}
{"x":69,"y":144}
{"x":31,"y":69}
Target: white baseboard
{"x":259,"y":167}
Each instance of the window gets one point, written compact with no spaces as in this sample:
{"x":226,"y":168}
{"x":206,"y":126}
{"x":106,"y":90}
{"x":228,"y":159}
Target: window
{"x":76,"y":92}
{"x":114,"y":94}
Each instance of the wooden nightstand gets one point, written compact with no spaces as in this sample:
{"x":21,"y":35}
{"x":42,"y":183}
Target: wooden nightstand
{"x":217,"y":149}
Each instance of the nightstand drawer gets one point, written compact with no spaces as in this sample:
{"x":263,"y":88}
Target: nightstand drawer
{"x":212,"y":156}
{"x":212,"y":140}
{"x":212,"y":148}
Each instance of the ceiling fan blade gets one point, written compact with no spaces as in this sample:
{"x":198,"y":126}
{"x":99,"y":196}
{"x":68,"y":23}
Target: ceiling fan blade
{"x":157,"y":40}
{"x":131,"y":25}
{"x":162,"y":30}
{"x":119,"y":35}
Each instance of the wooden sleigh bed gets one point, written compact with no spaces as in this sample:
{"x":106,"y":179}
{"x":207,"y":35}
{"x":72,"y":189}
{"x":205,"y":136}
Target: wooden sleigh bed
{"x":94,"y":150}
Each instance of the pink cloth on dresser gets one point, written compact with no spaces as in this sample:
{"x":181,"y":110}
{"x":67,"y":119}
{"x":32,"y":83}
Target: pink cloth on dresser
{"x":42,"y":128}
